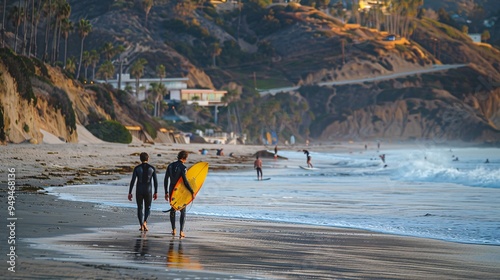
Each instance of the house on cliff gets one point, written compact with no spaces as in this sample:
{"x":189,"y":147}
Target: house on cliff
{"x":177,"y":90}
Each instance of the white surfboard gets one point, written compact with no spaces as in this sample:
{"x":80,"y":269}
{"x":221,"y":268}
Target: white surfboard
{"x":308,"y":168}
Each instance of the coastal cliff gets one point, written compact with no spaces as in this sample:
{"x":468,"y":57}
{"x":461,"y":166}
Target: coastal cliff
{"x":35,"y":97}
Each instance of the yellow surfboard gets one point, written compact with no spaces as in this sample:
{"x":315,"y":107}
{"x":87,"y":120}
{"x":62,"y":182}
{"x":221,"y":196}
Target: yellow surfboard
{"x":196,"y":175}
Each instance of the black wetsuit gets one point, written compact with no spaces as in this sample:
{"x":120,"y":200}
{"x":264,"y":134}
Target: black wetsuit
{"x":175,"y":171}
{"x":143,"y":173}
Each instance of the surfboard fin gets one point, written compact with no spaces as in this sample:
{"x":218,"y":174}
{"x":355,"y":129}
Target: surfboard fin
{"x":166,"y":211}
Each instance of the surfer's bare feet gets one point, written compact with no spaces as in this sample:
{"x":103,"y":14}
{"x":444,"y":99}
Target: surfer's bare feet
{"x":173,"y":232}
{"x":182,"y":235}
{"x":145,"y":226}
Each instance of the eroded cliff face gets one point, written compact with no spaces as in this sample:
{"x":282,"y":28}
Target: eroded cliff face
{"x":437,"y":120}
{"x":84,"y":100}
{"x":19,"y":115}
{"x":24,"y":120}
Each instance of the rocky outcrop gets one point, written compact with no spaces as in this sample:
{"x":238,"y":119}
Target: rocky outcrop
{"x":19,"y":115}
{"x":440,"y":108}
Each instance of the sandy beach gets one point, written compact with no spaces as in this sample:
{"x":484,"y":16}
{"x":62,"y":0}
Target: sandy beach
{"x":57,"y":239}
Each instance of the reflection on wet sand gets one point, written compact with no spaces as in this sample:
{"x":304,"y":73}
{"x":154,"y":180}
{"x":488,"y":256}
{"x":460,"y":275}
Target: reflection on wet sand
{"x":177,"y":259}
{"x":141,"y":247}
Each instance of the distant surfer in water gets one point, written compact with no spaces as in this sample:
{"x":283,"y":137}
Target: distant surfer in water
{"x":257,"y":164}
{"x":308,"y":157}
{"x":382,"y":157}
{"x":145,"y":174}
{"x":175,"y":171}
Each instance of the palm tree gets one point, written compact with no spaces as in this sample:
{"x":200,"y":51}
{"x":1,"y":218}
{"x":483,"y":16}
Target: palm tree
{"x":36,"y":20}
{"x":147,"y":5}
{"x":160,"y":71}
{"x":48,"y":9}
{"x":87,"y":61}
{"x":107,"y":51}
{"x":3,"y":22}
{"x":70,"y":65}
{"x":355,"y":11}
{"x":158,"y":90}
{"x":63,"y":11}
{"x":32,"y":26}
{"x":216,"y":51}
{"x":84,"y":28}
{"x":25,"y":20}
{"x":106,"y":70}
{"x":119,"y":51}
{"x":16,"y":15}
{"x":66,"y":29}
{"x":94,"y":58}
{"x":137,"y":70}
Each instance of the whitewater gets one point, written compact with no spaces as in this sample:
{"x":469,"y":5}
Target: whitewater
{"x":449,"y":194}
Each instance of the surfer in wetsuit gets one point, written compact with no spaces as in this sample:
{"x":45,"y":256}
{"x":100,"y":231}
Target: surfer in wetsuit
{"x":257,"y":164}
{"x":145,"y":174}
{"x":175,"y":171}
{"x":309,"y":164}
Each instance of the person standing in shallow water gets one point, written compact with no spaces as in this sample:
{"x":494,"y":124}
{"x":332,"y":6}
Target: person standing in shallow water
{"x":257,"y":164}
{"x":175,"y":171}
{"x":145,"y":175}
{"x":308,"y":159}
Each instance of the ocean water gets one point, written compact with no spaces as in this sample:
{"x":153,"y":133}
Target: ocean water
{"x":419,"y":191}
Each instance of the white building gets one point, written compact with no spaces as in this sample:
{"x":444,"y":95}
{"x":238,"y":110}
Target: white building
{"x":176,"y":87}
{"x":476,"y":37}
{"x":173,"y":85}
{"x":368,"y":4}
{"x":203,"y":97}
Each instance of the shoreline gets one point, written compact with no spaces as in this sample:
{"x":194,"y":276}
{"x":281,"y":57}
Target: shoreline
{"x":224,"y":247}
{"x":263,"y":220}
{"x":106,"y":239}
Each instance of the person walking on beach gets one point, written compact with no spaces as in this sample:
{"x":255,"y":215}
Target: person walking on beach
{"x":257,"y":164}
{"x":145,"y":175}
{"x":276,"y":152}
{"x":175,"y":171}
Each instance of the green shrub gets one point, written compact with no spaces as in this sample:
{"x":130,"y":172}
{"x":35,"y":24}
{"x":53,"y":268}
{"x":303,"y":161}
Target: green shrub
{"x":28,"y":64}
{"x":150,"y":130}
{"x":20,"y":72}
{"x":104,"y":100}
{"x":38,"y":63}
{"x":59,"y":100}
{"x":26,"y":128}
{"x":110,"y":131}
{"x":401,"y":48}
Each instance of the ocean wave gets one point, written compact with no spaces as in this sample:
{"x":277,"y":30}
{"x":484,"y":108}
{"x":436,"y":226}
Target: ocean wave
{"x":424,"y":171}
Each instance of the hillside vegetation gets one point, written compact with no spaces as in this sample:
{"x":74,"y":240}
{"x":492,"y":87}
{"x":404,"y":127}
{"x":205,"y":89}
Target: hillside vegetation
{"x":261,"y":46}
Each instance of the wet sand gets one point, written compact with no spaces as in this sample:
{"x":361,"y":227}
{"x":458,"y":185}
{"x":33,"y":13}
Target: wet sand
{"x":58,"y":239}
